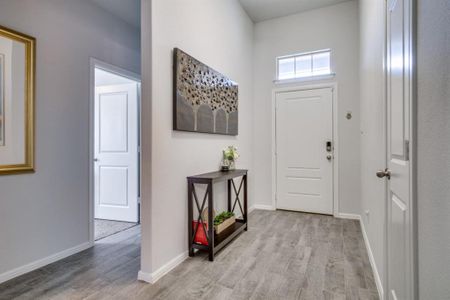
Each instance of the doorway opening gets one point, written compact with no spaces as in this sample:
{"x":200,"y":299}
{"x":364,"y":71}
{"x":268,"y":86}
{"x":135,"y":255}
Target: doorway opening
{"x":115,"y":150}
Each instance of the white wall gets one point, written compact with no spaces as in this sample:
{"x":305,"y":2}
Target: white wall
{"x":373,"y":140}
{"x":433,"y":148}
{"x":218,"y":33}
{"x":45,"y":213}
{"x":334,"y":27}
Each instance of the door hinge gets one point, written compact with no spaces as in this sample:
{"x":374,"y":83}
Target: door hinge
{"x":139,"y":149}
{"x":407,"y":150}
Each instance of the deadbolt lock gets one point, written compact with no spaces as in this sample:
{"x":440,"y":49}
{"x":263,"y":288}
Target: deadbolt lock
{"x":329,"y":146}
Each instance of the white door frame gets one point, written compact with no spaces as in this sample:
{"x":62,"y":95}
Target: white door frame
{"x":95,"y":63}
{"x":412,"y":151}
{"x":303,"y":87}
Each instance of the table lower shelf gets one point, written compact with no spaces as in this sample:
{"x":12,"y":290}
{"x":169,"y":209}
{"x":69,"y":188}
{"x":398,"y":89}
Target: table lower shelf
{"x":226,"y":236}
{"x":220,"y":240}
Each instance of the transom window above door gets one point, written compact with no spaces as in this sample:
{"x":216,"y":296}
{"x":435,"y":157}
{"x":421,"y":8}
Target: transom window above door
{"x":303,"y":65}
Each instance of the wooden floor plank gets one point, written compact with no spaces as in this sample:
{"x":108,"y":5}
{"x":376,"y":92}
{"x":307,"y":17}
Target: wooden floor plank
{"x":283,"y":255}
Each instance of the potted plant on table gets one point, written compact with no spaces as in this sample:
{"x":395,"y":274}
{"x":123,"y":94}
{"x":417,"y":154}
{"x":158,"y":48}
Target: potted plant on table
{"x":230,"y":155}
{"x":223,"y":220}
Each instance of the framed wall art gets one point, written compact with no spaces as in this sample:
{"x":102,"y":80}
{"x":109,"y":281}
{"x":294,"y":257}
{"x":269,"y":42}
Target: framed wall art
{"x":204,"y":100}
{"x":17,"y":72}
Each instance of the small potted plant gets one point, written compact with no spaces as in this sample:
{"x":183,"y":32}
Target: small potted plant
{"x":223,"y":220}
{"x":230,"y":155}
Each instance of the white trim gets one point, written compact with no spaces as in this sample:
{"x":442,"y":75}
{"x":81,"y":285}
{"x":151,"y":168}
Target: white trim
{"x":145,"y":277}
{"x":305,"y":53}
{"x":348,"y":216}
{"x":95,"y":63}
{"x":376,"y":275}
{"x":304,"y":79}
{"x":263,"y":207}
{"x":385,"y":132}
{"x":302,"y":87}
{"x":114,"y":69}
{"x":158,"y":274}
{"x":43,"y":262}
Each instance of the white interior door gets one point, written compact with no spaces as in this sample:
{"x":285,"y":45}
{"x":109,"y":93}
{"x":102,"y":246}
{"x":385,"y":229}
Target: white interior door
{"x":116,"y":152}
{"x":304,"y":125}
{"x":399,"y":208}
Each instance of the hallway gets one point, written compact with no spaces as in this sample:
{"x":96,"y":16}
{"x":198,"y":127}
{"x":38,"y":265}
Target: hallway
{"x":284,"y":255}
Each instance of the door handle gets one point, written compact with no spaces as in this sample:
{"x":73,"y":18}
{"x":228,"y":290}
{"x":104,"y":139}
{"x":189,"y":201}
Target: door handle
{"x":384,"y":173}
{"x":95,"y":159}
{"x":329,"y":157}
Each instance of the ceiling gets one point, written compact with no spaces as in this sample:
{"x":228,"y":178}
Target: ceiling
{"x":261,"y":10}
{"x":127,"y":10}
{"x":258,"y":10}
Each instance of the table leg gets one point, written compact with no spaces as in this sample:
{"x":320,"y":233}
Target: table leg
{"x":190,"y":218}
{"x":229,"y":195}
{"x":245,"y":202}
{"x":211,"y":221}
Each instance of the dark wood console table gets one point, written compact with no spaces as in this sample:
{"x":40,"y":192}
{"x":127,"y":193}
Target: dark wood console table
{"x":216,"y":241}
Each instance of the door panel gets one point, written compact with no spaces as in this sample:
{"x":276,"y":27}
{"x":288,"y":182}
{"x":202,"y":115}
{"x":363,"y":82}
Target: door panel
{"x":396,"y":77}
{"x":304,"y":123}
{"x":116,"y":152}
{"x":113,"y":190}
{"x":399,"y":207}
{"x":113,"y":109}
{"x":398,"y":224}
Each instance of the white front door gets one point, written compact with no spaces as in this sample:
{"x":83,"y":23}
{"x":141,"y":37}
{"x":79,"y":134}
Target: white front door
{"x":116,"y":152}
{"x":304,"y":150}
{"x":399,"y":207}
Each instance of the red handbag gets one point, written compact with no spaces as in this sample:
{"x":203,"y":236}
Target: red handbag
{"x":200,"y":236}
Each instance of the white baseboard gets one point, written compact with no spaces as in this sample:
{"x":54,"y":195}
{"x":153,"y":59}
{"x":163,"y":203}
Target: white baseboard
{"x":376,"y":275}
{"x":145,"y":276}
{"x":348,"y":216}
{"x":158,"y":274}
{"x":43,"y":262}
{"x":263,"y":207}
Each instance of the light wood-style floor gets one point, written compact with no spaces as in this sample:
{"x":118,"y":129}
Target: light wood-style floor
{"x":284,"y":255}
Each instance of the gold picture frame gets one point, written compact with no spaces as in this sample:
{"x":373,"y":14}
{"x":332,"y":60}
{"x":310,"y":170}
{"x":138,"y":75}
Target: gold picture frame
{"x":25,"y":162}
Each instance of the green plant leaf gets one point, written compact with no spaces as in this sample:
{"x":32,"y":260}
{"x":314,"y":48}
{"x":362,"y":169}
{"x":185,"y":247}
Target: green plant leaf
{"x":220,"y":218}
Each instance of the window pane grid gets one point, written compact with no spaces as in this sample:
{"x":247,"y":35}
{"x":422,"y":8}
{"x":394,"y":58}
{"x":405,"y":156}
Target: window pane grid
{"x":304,"y":65}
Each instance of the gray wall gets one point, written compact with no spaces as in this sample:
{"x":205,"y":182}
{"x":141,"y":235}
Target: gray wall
{"x":433,"y":148}
{"x":334,"y":27}
{"x":220,"y":34}
{"x":373,"y":131}
{"x":45,"y":213}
